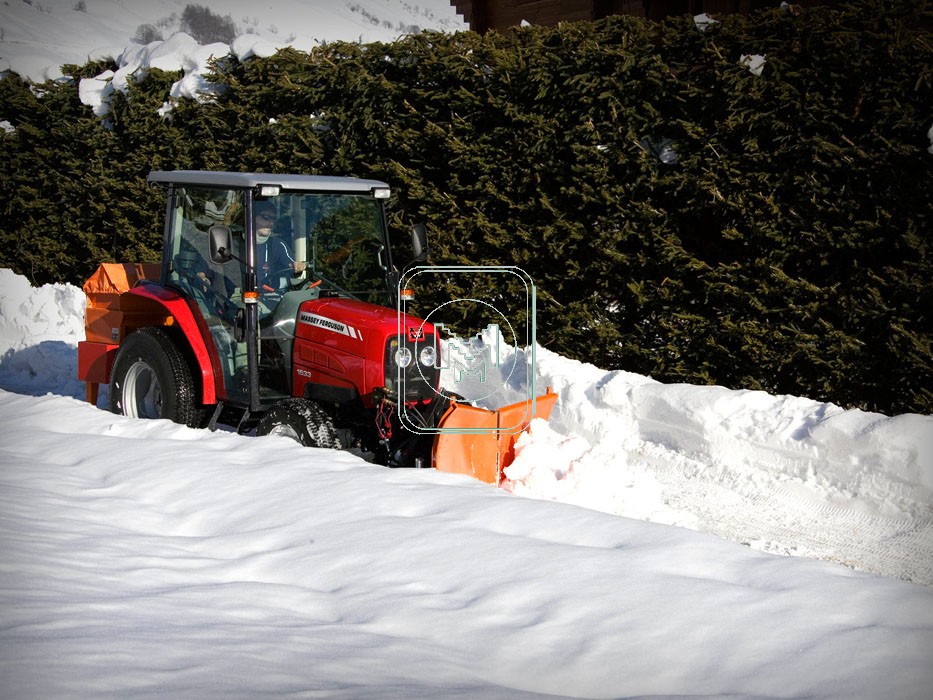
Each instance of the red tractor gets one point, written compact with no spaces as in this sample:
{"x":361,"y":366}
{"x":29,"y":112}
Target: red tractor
{"x":275,"y":310}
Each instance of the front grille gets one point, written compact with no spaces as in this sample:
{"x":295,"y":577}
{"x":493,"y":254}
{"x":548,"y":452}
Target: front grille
{"x":420,"y":381}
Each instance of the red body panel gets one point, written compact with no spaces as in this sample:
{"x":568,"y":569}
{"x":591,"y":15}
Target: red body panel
{"x":95,"y":361}
{"x":342,"y":343}
{"x":145,"y":300}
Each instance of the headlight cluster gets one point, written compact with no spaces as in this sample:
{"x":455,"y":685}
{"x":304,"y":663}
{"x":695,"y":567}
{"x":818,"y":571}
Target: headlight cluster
{"x":415,"y":364}
{"x":427,"y":356}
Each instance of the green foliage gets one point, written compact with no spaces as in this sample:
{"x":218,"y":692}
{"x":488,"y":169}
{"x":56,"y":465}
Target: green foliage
{"x":787,"y":248}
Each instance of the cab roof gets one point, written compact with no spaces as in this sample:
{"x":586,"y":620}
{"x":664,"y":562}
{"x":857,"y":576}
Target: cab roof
{"x":287,"y":182}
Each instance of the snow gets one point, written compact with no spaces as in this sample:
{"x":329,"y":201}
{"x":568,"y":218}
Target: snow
{"x":703,"y":21}
{"x":39,"y":37}
{"x":146,"y":559}
{"x":651,"y":539}
{"x":754,"y":62}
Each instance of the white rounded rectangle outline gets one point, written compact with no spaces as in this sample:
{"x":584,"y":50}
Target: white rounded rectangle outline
{"x":529,"y":336}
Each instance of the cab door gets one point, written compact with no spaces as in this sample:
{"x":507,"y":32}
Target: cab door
{"x":215,"y":289}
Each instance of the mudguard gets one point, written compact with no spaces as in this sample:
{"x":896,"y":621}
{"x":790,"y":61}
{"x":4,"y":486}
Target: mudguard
{"x":121,"y":299}
{"x":155,"y":301}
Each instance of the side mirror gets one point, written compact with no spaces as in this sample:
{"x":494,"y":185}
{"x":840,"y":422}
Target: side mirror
{"x":419,"y":243}
{"x":221,"y":242}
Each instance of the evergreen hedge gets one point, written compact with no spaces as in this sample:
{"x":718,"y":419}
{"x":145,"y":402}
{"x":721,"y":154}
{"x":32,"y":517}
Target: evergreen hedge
{"x":786,"y":248}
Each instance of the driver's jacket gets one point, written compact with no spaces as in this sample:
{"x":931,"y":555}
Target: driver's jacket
{"x":273,"y":265}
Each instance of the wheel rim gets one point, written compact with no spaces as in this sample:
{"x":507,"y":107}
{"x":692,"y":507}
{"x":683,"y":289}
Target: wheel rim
{"x":285,"y":431}
{"x":142,"y":394}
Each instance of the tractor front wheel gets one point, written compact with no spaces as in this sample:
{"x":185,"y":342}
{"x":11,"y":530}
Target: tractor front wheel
{"x":301,"y":420}
{"x":151,"y":379}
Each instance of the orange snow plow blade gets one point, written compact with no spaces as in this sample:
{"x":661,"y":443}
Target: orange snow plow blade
{"x":480,"y":442}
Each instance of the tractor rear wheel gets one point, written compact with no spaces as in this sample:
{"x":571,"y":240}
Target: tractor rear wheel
{"x":152,"y":379}
{"x":303,"y":421}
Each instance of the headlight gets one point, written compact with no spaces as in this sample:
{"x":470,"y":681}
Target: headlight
{"x":428,"y":356}
{"x":403,"y":357}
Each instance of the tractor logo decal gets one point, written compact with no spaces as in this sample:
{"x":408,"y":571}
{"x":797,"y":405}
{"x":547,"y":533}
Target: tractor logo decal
{"x":329,"y":324}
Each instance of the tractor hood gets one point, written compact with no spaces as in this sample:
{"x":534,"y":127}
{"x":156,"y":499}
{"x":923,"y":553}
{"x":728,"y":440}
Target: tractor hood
{"x":352,"y":325}
{"x":353,"y":347}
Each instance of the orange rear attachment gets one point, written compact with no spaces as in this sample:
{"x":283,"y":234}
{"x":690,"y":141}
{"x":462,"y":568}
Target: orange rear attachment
{"x":103,"y":320}
{"x":104,"y":327}
{"x":480,"y":442}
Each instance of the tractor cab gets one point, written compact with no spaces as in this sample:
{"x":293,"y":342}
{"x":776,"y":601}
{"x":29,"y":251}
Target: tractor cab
{"x":249,"y":250}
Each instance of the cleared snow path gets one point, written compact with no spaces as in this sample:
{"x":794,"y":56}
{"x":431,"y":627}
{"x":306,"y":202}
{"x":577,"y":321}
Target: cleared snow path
{"x":788,"y":520}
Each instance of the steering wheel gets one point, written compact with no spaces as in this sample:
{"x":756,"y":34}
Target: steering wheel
{"x":309,"y":283}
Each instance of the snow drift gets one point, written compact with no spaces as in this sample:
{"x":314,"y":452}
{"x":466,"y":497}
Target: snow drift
{"x":145,"y":559}
{"x":779,"y":473}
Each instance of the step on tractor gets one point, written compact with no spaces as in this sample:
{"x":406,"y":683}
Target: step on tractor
{"x":275,"y":311}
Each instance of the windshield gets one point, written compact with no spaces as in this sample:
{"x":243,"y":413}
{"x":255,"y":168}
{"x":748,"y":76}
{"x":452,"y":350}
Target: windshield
{"x":339,"y":238}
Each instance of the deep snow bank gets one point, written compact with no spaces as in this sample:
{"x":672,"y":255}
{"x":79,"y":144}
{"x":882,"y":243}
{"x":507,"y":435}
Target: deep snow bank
{"x":882,"y":465}
{"x":783,"y":474}
{"x":39,"y":334}
{"x":878,"y":464}
{"x":780,"y":473}
{"x":144,"y":559}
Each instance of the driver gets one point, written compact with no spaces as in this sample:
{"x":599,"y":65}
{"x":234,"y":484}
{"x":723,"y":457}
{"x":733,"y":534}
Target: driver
{"x":275,"y":266}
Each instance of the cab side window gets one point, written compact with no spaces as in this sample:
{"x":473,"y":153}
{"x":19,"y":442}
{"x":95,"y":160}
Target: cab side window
{"x":192,"y":268}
